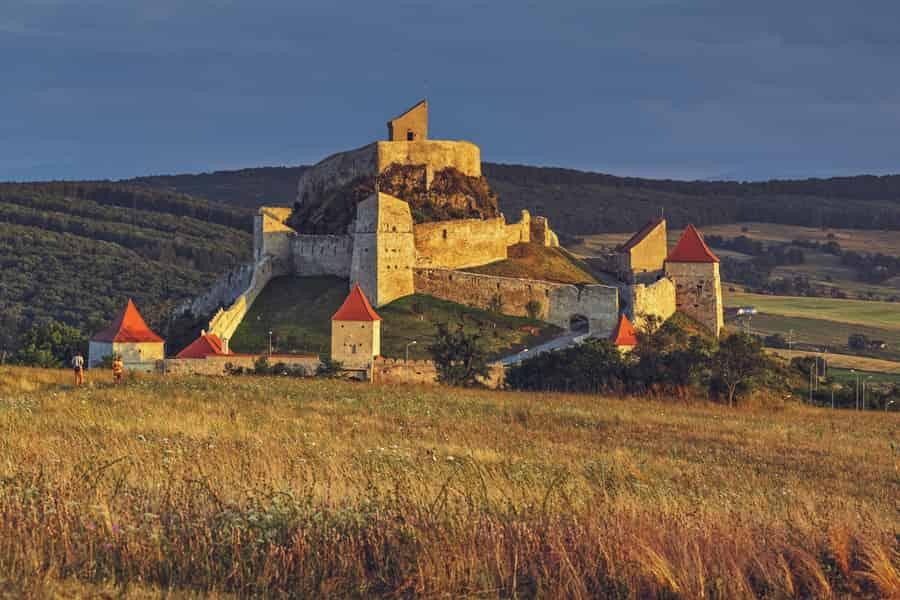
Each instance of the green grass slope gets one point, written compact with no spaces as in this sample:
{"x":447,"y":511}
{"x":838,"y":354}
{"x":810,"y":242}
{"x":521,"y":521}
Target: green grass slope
{"x":297,"y":310}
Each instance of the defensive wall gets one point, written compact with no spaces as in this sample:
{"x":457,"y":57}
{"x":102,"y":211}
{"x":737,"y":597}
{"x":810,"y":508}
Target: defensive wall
{"x":225,"y":322}
{"x":643,"y":300}
{"x":223,"y":292}
{"x":322,"y":254}
{"x":390,"y":370}
{"x":460,"y":243}
{"x":215,"y":365}
{"x":337,"y":170}
{"x":465,"y":157}
{"x":555,"y":303}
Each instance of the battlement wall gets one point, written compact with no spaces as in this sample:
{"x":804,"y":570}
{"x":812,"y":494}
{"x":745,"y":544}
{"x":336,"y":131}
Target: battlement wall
{"x":322,"y":255}
{"x":223,"y":292}
{"x":461,"y":243}
{"x":390,"y":370}
{"x":644,"y":300}
{"x":272,"y":237}
{"x":225,"y":322}
{"x":336,"y":171}
{"x":438,"y":154}
{"x":554,"y":303}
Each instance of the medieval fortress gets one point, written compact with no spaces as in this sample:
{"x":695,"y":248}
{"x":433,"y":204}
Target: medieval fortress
{"x":390,"y":255}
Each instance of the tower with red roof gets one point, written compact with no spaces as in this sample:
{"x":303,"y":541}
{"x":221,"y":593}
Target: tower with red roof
{"x":129,"y":337}
{"x":698,"y":288}
{"x":355,"y":332}
{"x":624,"y":337}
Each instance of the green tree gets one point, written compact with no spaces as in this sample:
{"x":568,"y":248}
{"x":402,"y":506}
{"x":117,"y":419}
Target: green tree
{"x":50,"y":344}
{"x":459,"y":356}
{"x":739,"y":361}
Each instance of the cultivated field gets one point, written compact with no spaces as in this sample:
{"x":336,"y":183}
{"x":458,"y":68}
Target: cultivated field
{"x":307,"y":488}
{"x":883,"y":315}
{"x":858,"y":240}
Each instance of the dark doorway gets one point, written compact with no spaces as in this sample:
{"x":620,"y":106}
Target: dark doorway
{"x":410,"y":135}
{"x":579,"y":324}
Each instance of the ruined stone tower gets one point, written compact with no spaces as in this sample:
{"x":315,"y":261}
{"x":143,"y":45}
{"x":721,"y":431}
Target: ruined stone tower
{"x":698,"y":288}
{"x":411,"y":126}
{"x":384,"y":249}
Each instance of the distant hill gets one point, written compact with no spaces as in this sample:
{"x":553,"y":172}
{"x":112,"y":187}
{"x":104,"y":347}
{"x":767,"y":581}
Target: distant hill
{"x":74,"y":252}
{"x":579,"y":202}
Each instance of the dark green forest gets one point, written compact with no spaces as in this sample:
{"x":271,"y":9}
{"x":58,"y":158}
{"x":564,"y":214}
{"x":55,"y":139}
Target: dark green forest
{"x":73,"y":252}
{"x":580,"y":203}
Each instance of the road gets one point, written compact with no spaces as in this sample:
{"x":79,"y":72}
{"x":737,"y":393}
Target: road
{"x":563,"y":341}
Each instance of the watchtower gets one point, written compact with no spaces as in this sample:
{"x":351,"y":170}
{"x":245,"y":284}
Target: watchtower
{"x":698,"y":287}
{"x":411,"y":126}
{"x":355,"y":332}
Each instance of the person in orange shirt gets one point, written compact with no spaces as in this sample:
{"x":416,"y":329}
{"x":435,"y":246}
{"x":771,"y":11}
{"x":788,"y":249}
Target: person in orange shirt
{"x":118,"y":369}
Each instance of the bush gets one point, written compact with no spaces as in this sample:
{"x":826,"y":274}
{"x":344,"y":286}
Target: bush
{"x":533,"y":309}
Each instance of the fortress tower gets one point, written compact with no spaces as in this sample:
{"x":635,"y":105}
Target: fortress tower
{"x":384,"y":248}
{"x":644,"y":253}
{"x":355,"y":332}
{"x":698,"y":288}
{"x":411,"y":126}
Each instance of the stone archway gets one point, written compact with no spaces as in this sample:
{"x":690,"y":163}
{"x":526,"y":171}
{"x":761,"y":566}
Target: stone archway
{"x":579,"y":324}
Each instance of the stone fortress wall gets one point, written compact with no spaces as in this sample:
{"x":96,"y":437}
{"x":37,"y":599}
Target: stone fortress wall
{"x":461,"y":243}
{"x":222,"y":293}
{"x":390,"y":370}
{"x":556,"y":303}
{"x":654,"y":299}
{"x":322,"y":254}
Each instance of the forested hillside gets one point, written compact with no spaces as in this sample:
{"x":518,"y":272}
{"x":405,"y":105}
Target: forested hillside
{"x":74,"y":252}
{"x":580,"y":203}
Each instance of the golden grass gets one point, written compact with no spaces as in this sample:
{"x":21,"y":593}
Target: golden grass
{"x":311,"y":488}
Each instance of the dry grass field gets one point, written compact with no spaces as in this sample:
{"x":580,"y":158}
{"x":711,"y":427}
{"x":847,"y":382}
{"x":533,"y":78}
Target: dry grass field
{"x":309,"y":488}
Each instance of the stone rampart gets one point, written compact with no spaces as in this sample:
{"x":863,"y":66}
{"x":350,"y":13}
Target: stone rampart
{"x":461,"y":243}
{"x":393,"y":371}
{"x":271,"y":237}
{"x":438,"y":154}
{"x":336,"y":171}
{"x":216,"y":365}
{"x":555,"y":303}
{"x":643,"y":300}
{"x":322,"y":255}
{"x":225,"y":322}
{"x":223,"y":292}
{"x":519,"y":233}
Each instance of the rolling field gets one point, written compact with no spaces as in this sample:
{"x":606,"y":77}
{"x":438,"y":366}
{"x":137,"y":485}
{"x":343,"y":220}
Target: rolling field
{"x":310,"y":488}
{"x":858,"y":240}
{"x":882,"y":315}
{"x":298,"y":311}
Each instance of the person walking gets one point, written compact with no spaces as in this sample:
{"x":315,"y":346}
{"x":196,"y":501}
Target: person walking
{"x":78,"y":367}
{"x":118,"y":369}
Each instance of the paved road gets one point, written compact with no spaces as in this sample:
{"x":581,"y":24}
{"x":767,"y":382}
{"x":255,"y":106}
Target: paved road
{"x":563,"y":341}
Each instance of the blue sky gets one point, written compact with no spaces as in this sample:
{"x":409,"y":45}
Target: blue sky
{"x":744,"y":90}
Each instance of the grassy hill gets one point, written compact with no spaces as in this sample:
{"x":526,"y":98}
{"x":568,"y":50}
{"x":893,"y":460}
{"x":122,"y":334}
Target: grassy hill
{"x":75,"y":251}
{"x":308,"y":488}
{"x":297,"y":310}
{"x":530,"y":261}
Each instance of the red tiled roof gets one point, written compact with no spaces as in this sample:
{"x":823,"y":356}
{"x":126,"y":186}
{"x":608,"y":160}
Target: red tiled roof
{"x":203,"y":346}
{"x":356,"y":308}
{"x":638,"y":237}
{"x":128,"y":327}
{"x":624,"y":334}
{"x":691,"y":249}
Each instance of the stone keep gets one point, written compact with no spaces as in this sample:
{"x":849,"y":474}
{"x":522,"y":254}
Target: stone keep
{"x":355,"y":332}
{"x":384,"y":248}
{"x":411,"y":126}
{"x":698,"y":287}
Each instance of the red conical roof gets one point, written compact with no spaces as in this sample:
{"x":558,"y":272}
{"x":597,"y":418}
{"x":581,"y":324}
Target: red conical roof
{"x":203,"y":346}
{"x":356,"y":308}
{"x":129,"y":326}
{"x":691,"y":249}
{"x":624,"y":334}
